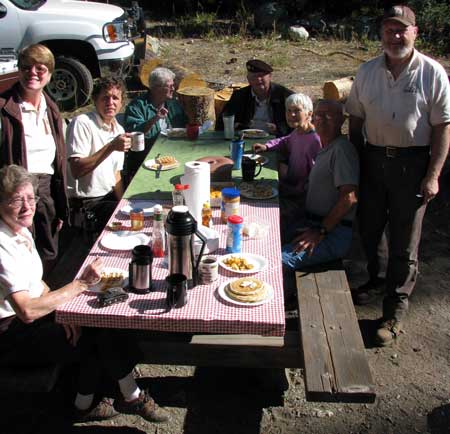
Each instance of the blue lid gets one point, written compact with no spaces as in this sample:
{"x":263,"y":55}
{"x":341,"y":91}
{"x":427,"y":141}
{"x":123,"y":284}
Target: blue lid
{"x":231,"y":192}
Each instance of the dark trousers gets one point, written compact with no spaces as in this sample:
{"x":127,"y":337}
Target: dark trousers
{"x":99,"y":352}
{"x":388,"y":190}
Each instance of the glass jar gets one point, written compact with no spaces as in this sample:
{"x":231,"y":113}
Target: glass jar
{"x":137,"y":219}
{"x":230,"y":203}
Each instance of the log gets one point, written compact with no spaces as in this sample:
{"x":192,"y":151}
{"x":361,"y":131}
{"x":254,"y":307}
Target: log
{"x":198,"y":104}
{"x":338,"y":90}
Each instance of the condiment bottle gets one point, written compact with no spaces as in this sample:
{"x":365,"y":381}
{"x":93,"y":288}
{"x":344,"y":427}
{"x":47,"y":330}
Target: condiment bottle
{"x":177,"y":194}
{"x":137,"y":219}
{"x":230,"y":203}
{"x":207,"y":215}
{"x":158,"y":238}
{"x":235,"y":224}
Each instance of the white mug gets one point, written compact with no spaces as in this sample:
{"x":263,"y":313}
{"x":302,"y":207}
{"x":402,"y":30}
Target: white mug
{"x":228,"y":126}
{"x":208,"y":269}
{"x":137,"y":141}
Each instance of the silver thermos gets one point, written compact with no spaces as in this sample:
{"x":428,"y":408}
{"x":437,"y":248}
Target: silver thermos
{"x":140,"y":269}
{"x":181,"y":230}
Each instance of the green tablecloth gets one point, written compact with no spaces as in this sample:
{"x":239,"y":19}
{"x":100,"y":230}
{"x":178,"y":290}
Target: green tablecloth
{"x":145,"y":185}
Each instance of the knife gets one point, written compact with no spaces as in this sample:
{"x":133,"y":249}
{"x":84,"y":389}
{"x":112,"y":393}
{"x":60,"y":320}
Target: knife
{"x":158,"y":167}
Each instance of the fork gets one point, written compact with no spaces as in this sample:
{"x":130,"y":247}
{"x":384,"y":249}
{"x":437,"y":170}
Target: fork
{"x":158,"y":168}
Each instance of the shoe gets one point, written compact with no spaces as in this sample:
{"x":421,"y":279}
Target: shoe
{"x":102,"y":411}
{"x":368,"y":293}
{"x":388,"y":332}
{"x":145,"y":407}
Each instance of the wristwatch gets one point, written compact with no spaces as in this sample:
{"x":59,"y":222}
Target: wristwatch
{"x":323,"y":231}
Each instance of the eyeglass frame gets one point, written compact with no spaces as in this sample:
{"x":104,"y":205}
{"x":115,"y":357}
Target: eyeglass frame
{"x":19,"y":202}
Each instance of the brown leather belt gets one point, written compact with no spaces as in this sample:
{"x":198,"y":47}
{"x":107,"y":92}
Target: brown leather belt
{"x":393,"y":152}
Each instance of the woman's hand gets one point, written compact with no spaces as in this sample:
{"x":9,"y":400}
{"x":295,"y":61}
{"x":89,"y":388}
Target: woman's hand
{"x":73,"y":333}
{"x":161,"y":113}
{"x":92,"y":272}
{"x":259,"y":147}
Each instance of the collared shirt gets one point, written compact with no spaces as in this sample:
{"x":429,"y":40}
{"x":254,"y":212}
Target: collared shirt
{"x":86,"y":134}
{"x":40,"y":144}
{"x":400,"y":112}
{"x":262,"y":115}
{"x":20,"y":267}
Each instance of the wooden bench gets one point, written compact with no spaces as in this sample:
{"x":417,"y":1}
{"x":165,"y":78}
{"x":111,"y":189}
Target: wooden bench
{"x":334,"y":359}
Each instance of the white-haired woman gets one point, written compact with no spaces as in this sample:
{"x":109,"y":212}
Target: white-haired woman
{"x":297,"y":153}
{"x":155,"y":112}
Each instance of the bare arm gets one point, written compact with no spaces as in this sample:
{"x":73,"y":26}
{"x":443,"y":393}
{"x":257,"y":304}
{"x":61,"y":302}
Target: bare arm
{"x":309,"y":239}
{"x":82,"y":166}
{"x":440,"y":140}
{"x":355,"y":132}
{"x":118,"y":188}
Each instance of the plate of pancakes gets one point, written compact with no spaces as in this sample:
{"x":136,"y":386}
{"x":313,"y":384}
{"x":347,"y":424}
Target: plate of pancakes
{"x":166,"y":162}
{"x":246,"y":291}
{"x":110,"y":277}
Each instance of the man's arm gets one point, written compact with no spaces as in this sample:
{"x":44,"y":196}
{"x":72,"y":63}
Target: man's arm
{"x":440,"y":140}
{"x":81,"y":166}
{"x":355,"y":132}
{"x":309,"y":239}
{"x":118,"y":188}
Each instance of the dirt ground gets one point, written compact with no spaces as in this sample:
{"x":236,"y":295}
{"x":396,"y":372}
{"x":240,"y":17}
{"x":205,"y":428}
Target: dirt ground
{"x":412,"y":378}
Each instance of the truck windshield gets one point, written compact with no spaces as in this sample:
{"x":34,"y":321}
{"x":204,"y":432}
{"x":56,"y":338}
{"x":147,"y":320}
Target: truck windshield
{"x":28,"y":4}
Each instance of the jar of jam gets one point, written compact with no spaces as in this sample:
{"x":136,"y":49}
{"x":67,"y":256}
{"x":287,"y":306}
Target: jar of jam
{"x":137,"y":219}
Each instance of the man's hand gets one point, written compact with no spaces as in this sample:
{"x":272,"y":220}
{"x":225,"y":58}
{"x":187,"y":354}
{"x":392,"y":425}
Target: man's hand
{"x":259,"y":147}
{"x":92,"y":272}
{"x":307,"y":241}
{"x":429,"y":188}
{"x":121,"y":143}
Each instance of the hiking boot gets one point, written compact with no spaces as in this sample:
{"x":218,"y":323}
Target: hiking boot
{"x":368,"y":293}
{"x":387,"y":332}
{"x":102,"y":411}
{"x":145,"y":407}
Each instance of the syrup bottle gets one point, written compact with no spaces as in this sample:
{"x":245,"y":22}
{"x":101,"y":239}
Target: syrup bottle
{"x":158,"y":238}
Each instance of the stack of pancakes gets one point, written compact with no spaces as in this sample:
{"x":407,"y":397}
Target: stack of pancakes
{"x":247,"y":290}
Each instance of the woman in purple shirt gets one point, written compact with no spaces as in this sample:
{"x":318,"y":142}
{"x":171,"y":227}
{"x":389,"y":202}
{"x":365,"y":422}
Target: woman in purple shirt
{"x":297,"y":154}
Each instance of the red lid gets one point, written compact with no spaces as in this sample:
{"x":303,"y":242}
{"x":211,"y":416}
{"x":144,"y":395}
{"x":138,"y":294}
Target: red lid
{"x":181,"y":186}
{"x":235,"y":219}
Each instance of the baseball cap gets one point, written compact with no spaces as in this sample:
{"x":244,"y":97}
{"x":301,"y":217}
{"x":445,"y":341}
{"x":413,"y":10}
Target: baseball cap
{"x":255,"y":65}
{"x":400,"y":13}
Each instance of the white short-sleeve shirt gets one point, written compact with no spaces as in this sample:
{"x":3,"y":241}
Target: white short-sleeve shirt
{"x":87,"y":134}
{"x":400,"y":112}
{"x":20,"y":267}
{"x":40,"y":143}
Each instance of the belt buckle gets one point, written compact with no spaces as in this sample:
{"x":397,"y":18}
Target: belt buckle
{"x":391,"y":152}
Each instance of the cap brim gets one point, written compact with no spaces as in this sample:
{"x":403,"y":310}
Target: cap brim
{"x":399,"y":19}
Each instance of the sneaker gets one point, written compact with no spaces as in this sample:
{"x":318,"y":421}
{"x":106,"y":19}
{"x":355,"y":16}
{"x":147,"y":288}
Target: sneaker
{"x":145,"y":407}
{"x":387,"y":332}
{"x":368,"y":293}
{"x":102,"y":411}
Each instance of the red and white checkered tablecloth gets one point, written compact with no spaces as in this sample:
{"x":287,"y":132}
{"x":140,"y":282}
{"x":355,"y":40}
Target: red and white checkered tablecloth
{"x":205,"y":311}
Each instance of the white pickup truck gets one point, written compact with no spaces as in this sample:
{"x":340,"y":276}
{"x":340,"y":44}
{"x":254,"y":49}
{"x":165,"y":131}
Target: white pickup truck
{"x":88,"y":40}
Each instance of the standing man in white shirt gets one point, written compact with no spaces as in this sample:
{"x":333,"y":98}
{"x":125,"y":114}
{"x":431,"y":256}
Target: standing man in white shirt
{"x":96,"y":144}
{"x":399,"y":110}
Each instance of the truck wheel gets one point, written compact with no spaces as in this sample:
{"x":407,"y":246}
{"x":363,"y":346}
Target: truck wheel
{"x":71,"y":84}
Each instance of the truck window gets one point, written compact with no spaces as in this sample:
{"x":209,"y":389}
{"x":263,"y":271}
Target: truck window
{"x":28,"y":4}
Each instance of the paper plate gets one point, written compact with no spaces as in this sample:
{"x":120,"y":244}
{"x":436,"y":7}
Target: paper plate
{"x":248,"y":194}
{"x":174,"y":133}
{"x":261,"y":159}
{"x":259,"y":262}
{"x":223,"y":295}
{"x":153,"y":165}
{"x":107,"y":270}
{"x":252,"y":133}
{"x":124,"y":240}
{"x":147,"y":207}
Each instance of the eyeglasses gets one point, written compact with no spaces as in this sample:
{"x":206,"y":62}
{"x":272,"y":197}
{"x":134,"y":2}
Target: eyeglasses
{"x":19,"y":202}
{"x":327,"y":116}
{"x":398,"y":31}
{"x":40,"y":69}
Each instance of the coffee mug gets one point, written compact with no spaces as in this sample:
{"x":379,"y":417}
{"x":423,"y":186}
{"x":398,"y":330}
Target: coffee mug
{"x":249,"y":169}
{"x":137,"y":141}
{"x":208,"y":269}
{"x":177,"y":285}
{"x":236,"y":151}
{"x":192,"y":131}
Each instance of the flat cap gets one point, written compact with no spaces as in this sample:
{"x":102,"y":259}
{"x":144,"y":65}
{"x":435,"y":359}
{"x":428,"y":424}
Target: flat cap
{"x":402,"y":14}
{"x":256,"y":65}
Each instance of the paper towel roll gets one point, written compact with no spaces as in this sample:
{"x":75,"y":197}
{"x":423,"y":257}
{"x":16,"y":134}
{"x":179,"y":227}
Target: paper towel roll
{"x":197,"y":175}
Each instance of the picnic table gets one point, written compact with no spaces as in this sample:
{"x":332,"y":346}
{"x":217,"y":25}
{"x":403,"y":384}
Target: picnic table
{"x":209,"y":331}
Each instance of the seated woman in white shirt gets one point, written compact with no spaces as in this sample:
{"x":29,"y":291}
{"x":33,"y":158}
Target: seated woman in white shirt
{"x":96,"y":144}
{"x":28,"y":334}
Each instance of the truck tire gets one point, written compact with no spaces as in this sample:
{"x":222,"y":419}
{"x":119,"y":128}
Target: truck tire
{"x":71,"y":84}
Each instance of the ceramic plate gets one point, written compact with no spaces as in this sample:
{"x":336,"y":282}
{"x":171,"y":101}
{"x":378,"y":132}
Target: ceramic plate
{"x":223,"y":295}
{"x":259,"y":158}
{"x":147,"y":207}
{"x":258,"y":262}
{"x":252,"y":133}
{"x":110,"y":270}
{"x":251,"y":193}
{"x":174,"y":133}
{"x":124,"y":240}
{"x":153,"y":165}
